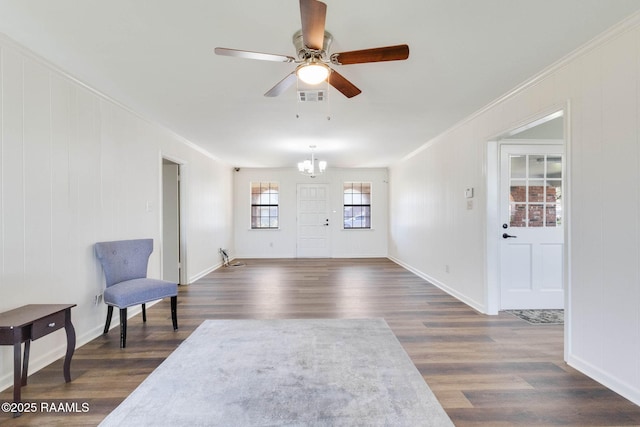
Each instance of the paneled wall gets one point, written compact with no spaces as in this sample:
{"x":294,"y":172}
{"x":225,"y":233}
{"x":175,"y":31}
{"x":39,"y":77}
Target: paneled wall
{"x":281,"y":243}
{"x":76,"y":168}
{"x":433,"y":233}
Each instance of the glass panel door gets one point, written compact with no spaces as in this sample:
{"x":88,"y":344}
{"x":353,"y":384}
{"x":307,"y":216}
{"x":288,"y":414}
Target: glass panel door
{"x":535,"y":182}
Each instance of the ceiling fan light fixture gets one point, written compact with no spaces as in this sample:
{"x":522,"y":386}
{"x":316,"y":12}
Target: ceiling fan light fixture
{"x":313,"y":72}
{"x":312,"y":43}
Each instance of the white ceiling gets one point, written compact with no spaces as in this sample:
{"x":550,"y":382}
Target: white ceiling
{"x":156,"y":57}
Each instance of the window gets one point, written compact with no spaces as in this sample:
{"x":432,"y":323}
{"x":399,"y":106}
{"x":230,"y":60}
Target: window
{"x":357,"y":205}
{"x":264,"y":205}
{"x":535,"y":198}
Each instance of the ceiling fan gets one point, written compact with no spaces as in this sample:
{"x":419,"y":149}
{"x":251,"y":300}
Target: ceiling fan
{"x":312,"y":44}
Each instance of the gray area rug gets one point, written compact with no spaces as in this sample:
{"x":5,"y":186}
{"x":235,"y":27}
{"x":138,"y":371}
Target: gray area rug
{"x":284,"y":373}
{"x":540,"y":317}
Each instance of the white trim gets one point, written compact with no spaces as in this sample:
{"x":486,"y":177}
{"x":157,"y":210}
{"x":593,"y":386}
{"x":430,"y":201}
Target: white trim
{"x":534,"y":123}
{"x":461,"y":297}
{"x":204,"y":272}
{"x":12,"y":44}
{"x":628,"y":24}
{"x":568,"y":186}
{"x":492,"y":222}
{"x":182,"y":190}
{"x":492,"y":179}
{"x":624,"y":389}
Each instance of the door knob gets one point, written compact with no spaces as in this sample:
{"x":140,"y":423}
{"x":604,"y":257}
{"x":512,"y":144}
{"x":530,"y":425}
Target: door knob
{"x":507,"y":236}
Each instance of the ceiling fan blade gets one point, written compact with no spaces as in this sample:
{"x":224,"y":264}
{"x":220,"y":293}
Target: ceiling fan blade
{"x":313,"y":14}
{"x":379,"y":54}
{"x":282,"y":85}
{"x":347,"y":88}
{"x":253,"y":55}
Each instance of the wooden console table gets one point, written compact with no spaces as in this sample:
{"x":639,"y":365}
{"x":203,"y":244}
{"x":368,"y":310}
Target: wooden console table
{"x":28,"y":323}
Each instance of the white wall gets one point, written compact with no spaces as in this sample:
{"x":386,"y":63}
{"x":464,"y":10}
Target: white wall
{"x":431,"y":227}
{"x":77,"y":168}
{"x":432,"y":232}
{"x":281,"y":243}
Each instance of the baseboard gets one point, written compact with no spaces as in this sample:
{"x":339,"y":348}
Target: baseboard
{"x":37,"y":363}
{"x":359,"y":256}
{"x":622,"y":388}
{"x":203,"y":273}
{"x":294,"y":256}
{"x":457,"y":295}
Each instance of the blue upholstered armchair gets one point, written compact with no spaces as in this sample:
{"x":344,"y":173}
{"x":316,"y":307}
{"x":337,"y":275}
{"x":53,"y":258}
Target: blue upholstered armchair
{"x":125,"y":268}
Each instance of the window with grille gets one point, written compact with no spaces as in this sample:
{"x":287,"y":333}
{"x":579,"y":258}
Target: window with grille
{"x":535,"y":196}
{"x":264,"y":205}
{"x":357,"y":205}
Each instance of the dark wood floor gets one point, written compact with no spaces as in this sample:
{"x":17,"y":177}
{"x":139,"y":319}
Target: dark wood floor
{"x":485,"y":370}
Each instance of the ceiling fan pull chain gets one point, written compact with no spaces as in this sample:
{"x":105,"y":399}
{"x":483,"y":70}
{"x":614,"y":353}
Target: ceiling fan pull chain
{"x":297,"y":98}
{"x":328,"y":99}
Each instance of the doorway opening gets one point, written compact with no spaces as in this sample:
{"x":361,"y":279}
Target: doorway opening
{"x":527,"y":225}
{"x":172,"y":266}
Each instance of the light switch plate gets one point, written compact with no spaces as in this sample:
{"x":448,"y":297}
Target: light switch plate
{"x":468,"y":192}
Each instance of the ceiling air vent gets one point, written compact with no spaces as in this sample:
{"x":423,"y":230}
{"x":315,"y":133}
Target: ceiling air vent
{"x":311,"y":95}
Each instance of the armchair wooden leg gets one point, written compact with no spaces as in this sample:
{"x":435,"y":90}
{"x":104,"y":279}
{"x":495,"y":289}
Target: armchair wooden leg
{"x":123,"y":327}
{"x":108,"y":322}
{"x":144,"y":312}
{"x":174,"y":312}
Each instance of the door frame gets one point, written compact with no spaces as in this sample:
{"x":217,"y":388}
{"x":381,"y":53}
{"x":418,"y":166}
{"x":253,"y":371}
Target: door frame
{"x":492,"y":222}
{"x":182,"y":259}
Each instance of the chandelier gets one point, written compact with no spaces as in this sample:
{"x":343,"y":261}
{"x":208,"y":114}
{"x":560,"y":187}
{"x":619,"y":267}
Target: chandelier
{"x":308,"y":167}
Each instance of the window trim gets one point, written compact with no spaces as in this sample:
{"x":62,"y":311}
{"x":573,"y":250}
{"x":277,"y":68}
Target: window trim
{"x":270,"y":185}
{"x":358,"y":205}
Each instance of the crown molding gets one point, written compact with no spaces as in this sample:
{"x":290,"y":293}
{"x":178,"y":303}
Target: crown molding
{"x":9,"y":43}
{"x":632,"y":22}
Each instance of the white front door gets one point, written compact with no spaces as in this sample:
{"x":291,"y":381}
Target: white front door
{"x":313,"y":220}
{"x":531,"y":233}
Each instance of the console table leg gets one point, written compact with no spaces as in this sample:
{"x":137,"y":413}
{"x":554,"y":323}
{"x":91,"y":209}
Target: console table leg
{"x":27,"y":323}
{"x":71,"y":345}
{"x":25,"y":362}
{"x":17,"y":373}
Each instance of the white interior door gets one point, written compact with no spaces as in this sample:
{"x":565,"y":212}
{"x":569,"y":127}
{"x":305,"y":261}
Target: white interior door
{"x":531,"y":233}
{"x":313,"y":221}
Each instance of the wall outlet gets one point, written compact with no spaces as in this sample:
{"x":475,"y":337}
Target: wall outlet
{"x":446,"y":268}
{"x":97,"y":299}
